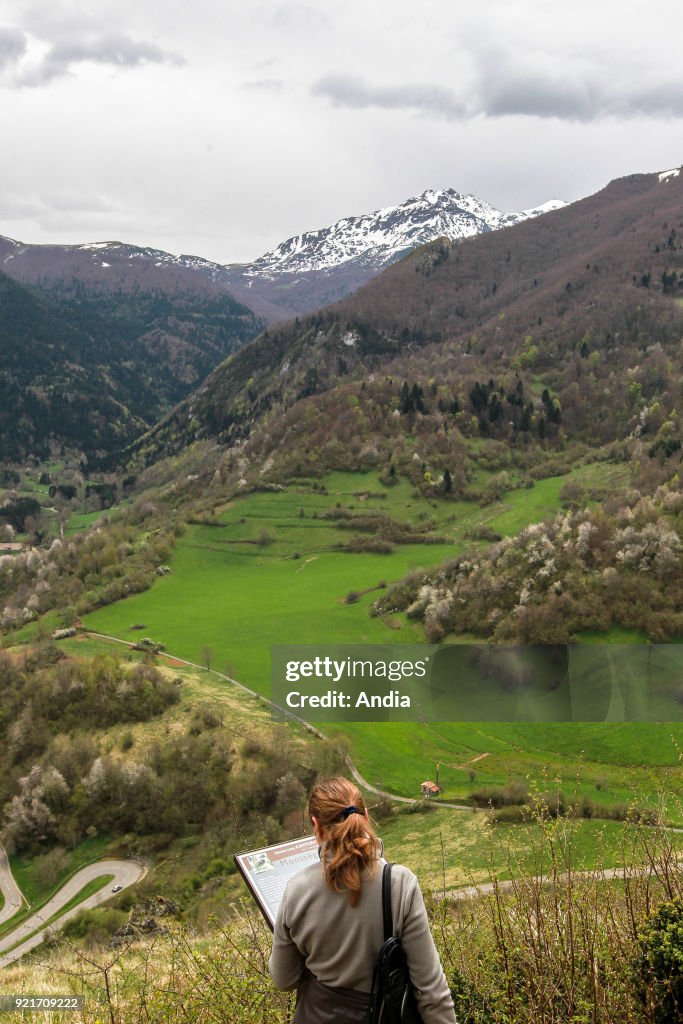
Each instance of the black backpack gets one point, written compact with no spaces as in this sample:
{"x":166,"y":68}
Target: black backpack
{"x":392,"y":1000}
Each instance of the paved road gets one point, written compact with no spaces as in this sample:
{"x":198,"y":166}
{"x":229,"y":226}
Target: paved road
{"x":486,"y":888}
{"x":14,"y":901}
{"x":124,"y":872}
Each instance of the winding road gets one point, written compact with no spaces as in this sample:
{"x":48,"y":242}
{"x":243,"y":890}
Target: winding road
{"x":11,"y":892}
{"x":22,"y":939}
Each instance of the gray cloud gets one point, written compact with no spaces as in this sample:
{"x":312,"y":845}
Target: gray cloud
{"x":573,"y":92}
{"x":570,"y":88}
{"x":665,"y":100}
{"x":355,"y":92}
{"x":56,"y":208}
{"x":12,"y":47}
{"x":579,"y":101}
{"x":60,"y":19}
{"x":265,"y":85}
{"x":113,"y":49}
{"x":77,"y":201}
{"x":536,"y":96}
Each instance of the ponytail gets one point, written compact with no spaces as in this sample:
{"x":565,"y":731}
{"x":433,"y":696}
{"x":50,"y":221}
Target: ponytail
{"x":350,"y":841}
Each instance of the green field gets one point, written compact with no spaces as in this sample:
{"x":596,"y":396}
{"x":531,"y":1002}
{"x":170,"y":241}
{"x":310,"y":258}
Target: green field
{"x":81,"y":520}
{"x":230,"y":593}
{"x":460,"y":849}
{"x":620,"y":763}
{"x":268,"y":572}
{"x":236,"y":596}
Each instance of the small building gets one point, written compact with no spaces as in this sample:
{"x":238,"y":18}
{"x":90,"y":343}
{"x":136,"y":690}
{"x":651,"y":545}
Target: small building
{"x":430,"y":789}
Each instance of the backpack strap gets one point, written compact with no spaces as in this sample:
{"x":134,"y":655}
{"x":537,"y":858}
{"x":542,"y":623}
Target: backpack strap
{"x":386,"y":902}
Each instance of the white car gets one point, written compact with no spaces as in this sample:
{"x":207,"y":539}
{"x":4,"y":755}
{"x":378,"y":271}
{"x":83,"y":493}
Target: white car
{"x":117,"y":888}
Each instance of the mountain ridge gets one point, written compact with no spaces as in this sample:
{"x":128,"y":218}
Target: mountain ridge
{"x":301,"y":274}
{"x":587,"y":298}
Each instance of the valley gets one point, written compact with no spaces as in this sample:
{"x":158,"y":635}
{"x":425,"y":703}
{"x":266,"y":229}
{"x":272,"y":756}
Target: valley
{"x":482,"y":445}
{"x":341,"y":472}
{"x":233,"y":592}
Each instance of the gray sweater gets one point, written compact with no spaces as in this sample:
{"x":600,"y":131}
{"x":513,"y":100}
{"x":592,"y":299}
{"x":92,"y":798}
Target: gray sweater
{"x":317,"y":929}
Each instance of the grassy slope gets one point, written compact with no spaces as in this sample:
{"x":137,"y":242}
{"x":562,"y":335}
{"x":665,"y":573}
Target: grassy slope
{"x":463,"y":849}
{"x":469,"y":847}
{"x":239,"y":598}
{"x":611,"y":764}
{"x":27,"y":873}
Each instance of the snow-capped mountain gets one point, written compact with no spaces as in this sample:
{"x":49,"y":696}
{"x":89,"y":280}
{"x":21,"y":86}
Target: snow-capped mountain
{"x":298,"y":276}
{"x":375,"y":240}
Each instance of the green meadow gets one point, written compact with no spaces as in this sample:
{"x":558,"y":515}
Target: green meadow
{"x":609,"y":764}
{"x":452,"y":850}
{"x":82,"y":520}
{"x":267,"y":569}
{"x":237,"y":592}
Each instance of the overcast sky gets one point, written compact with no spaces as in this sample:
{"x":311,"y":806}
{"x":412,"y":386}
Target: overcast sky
{"x":220,"y":128}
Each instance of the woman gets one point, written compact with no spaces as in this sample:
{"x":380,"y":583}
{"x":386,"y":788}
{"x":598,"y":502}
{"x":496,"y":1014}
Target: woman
{"x":329,"y":927}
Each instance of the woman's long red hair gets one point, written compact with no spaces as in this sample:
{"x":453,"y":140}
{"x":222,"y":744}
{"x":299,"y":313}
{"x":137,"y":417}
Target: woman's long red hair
{"x":350,"y":844}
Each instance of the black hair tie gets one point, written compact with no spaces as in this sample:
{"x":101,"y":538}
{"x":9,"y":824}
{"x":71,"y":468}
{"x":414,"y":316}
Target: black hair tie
{"x":348,"y":810}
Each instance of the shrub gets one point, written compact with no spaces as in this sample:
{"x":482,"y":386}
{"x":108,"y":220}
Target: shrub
{"x":94,"y":927}
{"x":418,"y":807}
{"x":468,"y":1003}
{"x":375,"y":545}
{"x":515,"y":793}
{"x":509,"y":815}
{"x":658,"y":968}
{"x":483,"y":533}
{"x":127,"y":741}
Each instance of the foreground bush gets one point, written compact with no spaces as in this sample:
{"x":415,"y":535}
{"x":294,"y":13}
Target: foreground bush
{"x":659,"y":968}
{"x":560,"y":944}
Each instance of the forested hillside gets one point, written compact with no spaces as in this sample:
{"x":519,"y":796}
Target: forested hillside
{"x":567,"y":326}
{"x":91,"y":372}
